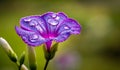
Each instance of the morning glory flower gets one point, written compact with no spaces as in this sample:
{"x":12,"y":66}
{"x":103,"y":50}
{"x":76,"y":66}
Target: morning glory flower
{"x":43,"y":29}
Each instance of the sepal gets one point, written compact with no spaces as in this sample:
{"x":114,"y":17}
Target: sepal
{"x":51,"y":53}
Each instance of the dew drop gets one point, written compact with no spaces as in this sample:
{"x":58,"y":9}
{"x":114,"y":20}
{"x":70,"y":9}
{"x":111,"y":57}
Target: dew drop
{"x":52,"y":21}
{"x":34,"y":38}
{"x":66,"y":27}
{"x":57,"y":18}
{"x":33,"y":23}
{"x":53,"y":15}
{"x":24,"y":37}
{"x":27,"y":20}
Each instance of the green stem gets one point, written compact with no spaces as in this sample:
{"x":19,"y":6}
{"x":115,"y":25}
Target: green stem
{"x":18,"y":65}
{"x":46,"y":64}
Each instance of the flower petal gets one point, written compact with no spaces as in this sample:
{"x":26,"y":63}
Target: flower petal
{"x":53,"y":20}
{"x":62,"y":37}
{"x":73,"y":25}
{"x":67,"y":28}
{"x":29,"y":37}
{"x":33,"y":23}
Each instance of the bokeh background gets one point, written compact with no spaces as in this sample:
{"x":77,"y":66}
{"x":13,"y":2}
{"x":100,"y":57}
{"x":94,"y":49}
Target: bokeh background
{"x":96,"y":48}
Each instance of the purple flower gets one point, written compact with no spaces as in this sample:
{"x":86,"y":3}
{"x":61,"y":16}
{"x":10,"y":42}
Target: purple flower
{"x":39,"y":29}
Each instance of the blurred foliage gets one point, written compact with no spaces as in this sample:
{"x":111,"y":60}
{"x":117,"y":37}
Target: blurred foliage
{"x":97,"y":47}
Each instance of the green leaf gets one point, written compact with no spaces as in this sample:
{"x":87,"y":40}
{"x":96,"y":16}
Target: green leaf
{"x":22,"y":58}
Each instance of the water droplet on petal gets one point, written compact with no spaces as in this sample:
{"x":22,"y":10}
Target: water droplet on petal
{"x":24,"y":37}
{"x":33,"y":23}
{"x":66,"y":27}
{"x":34,"y":38}
{"x":27,"y":20}
{"x":52,"y":21}
{"x":57,"y":18}
{"x":53,"y":15}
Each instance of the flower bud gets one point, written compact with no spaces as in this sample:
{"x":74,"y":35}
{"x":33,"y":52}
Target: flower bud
{"x":32,"y":58}
{"x":23,"y":67}
{"x":9,"y":51}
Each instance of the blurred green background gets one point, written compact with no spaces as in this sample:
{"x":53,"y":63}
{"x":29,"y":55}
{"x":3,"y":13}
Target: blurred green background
{"x":96,"y":48}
